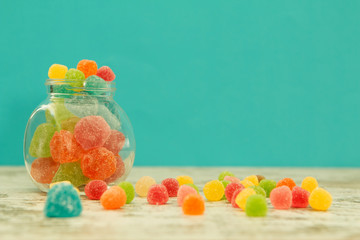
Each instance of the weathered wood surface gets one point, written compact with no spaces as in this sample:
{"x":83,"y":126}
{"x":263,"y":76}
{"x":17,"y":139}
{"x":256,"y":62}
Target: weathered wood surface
{"x":21,"y":215}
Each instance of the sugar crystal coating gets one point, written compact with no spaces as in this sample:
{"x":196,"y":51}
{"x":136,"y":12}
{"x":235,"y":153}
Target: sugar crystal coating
{"x":157,"y":195}
{"x":106,"y":73}
{"x":300,"y":197}
{"x":172,"y":186}
{"x":242,"y":197}
{"x":129,"y":190}
{"x":223,"y":174}
{"x":268,"y":185}
{"x":56,"y":112}
{"x":246,"y":183}
{"x":320,"y":199}
{"x":76,"y":78}
{"x":57,"y":71}
{"x":286,"y":182}
{"x":233,"y":198}
{"x":115,"y":141}
{"x":119,"y":172}
{"x":143,"y":184}
{"x":82,"y":105}
{"x":109,"y":117}
{"x":40,"y":142}
{"x":193,"y":186}
{"x":193,"y":205}
{"x":309,"y":184}
{"x":70,"y":172}
{"x":94,"y":189}
{"x":231,"y":188}
{"x":184,"y":179}
{"x":214,"y":190}
{"x":259,"y":190}
{"x":224,"y":183}
{"x":232,"y":179}
{"x":253,"y":179}
{"x":69,"y":124}
{"x":256,"y":206}
{"x":95,"y":85}
{"x":88,"y":67}
{"x":184,"y":190}
{"x":113,"y":198}
{"x":64,"y":148}
{"x":98,"y":163}
{"x":43,"y":170}
{"x":281,"y":197}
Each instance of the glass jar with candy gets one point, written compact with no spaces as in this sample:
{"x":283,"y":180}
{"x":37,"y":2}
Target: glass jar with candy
{"x":79,"y":133}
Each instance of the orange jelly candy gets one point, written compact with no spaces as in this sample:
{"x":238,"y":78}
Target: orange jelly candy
{"x":98,"y":164}
{"x":193,"y":205}
{"x":43,"y":169}
{"x":113,"y":198}
{"x":64,"y":148}
{"x":289,"y":182}
{"x":88,"y":67}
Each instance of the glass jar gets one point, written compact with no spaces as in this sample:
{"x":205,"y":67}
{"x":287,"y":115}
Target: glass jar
{"x":78,"y":134}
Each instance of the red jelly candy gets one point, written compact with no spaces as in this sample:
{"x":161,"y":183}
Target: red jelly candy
{"x":157,"y":195}
{"x":98,"y":164}
{"x":231,"y":188}
{"x":91,"y":132}
{"x":106,"y":73}
{"x":120,"y":170}
{"x":94,"y":189}
{"x":300,"y":197}
{"x":172,"y":186}
{"x":64,"y":148}
{"x":115,"y":141}
{"x":281,"y":197}
{"x":183,"y":191}
{"x":233,"y":198}
{"x":286,"y":182}
{"x":43,"y":170}
{"x":88,"y":67}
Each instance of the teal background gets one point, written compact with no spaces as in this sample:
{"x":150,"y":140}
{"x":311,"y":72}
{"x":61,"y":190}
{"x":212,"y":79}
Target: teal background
{"x":255,"y":83}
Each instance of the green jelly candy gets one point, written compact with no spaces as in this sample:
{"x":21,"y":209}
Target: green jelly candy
{"x":95,"y":85}
{"x":193,"y":186}
{"x":77,"y":77}
{"x":71,"y":172}
{"x":40,"y":142}
{"x":256,"y":206}
{"x":223,"y":174}
{"x":56,"y":113}
{"x":259,"y":190}
{"x":225,"y":183}
{"x":129,"y":190}
{"x":268,"y":185}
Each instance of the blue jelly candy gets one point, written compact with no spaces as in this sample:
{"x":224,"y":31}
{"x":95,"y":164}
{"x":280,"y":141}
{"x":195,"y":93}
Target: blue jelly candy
{"x":95,"y":85}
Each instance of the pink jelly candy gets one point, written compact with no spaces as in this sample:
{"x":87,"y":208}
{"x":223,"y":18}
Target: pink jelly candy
{"x":231,"y":188}
{"x":64,"y":148}
{"x":43,"y":169}
{"x":172,"y":186}
{"x":91,"y":132}
{"x":120,"y":170}
{"x":281,"y":197}
{"x":232,"y":179}
{"x":106,"y":73}
{"x":157,"y":195}
{"x":300,"y":197}
{"x":94,"y":189}
{"x":183,"y":191}
{"x":115,"y":141}
{"x":233,"y":198}
{"x":98,"y":164}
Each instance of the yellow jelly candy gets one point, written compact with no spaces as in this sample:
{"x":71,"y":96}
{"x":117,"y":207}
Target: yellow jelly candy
{"x":309,"y":184}
{"x":247,"y":183}
{"x":57,"y":71}
{"x":320,"y":199}
{"x":241,"y":198}
{"x":214,"y":190}
{"x":253,"y":179}
{"x":184,"y":180}
{"x":143,"y":184}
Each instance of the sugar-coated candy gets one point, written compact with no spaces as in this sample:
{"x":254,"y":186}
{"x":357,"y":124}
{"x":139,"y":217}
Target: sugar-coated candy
{"x":113,"y":198}
{"x":193,"y":186}
{"x":184,"y":190}
{"x":232,"y":179}
{"x":70,"y":172}
{"x":214,"y":190}
{"x":260,"y":177}
{"x":109,"y":117}
{"x":193,"y":205}
{"x":256,"y":206}
{"x":233,"y":198}
{"x":157,"y":195}
{"x":62,"y":201}
{"x":320,"y":199}
{"x":223,"y":174}
{"x":129,"y":191}
{"x":242,"y":197}
{"x":54,"y":183}
{"x":268,"y":185}
{"x":300,"y":197}
{"x":57,"y":71}
{"x":281,"y":197}
{"x":88,"y":67}
{"x":43,"y":169}
{"x":82,"y":105}
{"x":120,"y":170}
{"x":231,"y":188}
{"x":69,"y":124}
{"x":64,"y":148}
{"x":143,"y":184}
{"x":224,"y":183}
{"x":76,"y":78}
{"x":172,"y":186}
{"x":56,"y":112}
{"x":253,"y":179}
{"x":286,"y":182}
{"x":259,"y":190}
{"x":115,"y":141}
{"x":40,"y":142}
{"x":94,"y":189}
{"x":91,"y":132}
{"x":184,"y":179}
{"x":98,"y":164}
{"x":246,"y":183}
{"x":106,"y":73}
{"x":309,"y":184}
{"x":95,"y":85}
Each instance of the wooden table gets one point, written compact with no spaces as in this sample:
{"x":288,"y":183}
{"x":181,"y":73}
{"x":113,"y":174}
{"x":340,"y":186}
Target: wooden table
{"x":21,"y":215}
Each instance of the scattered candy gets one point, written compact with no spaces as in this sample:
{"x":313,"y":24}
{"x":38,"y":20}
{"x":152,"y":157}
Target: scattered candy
{"x":113,"y":198}
{"x":309,"y":184}
{"x":94,"y":189}
{"x":172,"y":186}
{"x":224,"y":183}
{"x":241,"y":198}
{"x":233,"y":198}
{"x":64,"y":148}
{"x":300,"y":197}
{"x":88,"y":67}
{"x":40,"y":142}
{"x":54,"y":183}
{"x":184,"y":179}
{"x":256,"y":206}
{"x":115,"y":141}
{"x":98,"y":164}
{"x":129,"y":191}
{"x":232,"y":179}
{"x":260,"y":177}
{"x":119,"y":172}
{"x":157,"y":195}
{"x":193,"y":186}
{"x":259,"y":190}
{"x":57,"y":71}
{"x":268,"y":185}
{"x":143,"y":184}
{"x":71,"y":172}
{"x":246,"y":183}
{"x":231,"y":188}
{"x":106,"y":73}
{"x":214,"y":190}
{"x":253,"y":179}
{"x":320,"y":199}
{"x":223,"y":174}
{"x":281,"y":197}
{"x":43,"y":169}
{"x":286,"y":182}
{"x":184,"y":190}
{"x":193,"y":205}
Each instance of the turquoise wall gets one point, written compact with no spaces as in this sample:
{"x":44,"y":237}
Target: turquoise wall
{"x":262,"y":83}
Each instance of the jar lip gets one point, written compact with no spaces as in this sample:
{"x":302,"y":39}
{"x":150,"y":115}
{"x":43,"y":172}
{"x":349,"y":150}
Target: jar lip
{"x":74,"y":85}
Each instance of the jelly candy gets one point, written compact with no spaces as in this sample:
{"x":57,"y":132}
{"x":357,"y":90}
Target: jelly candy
{"x":232,"y":179}
{"x":113,"y":198}
{"x":95,"y":85}
{"x":69,"y":124}
{"x":214,"y":190}
{"x":281,"y":197}
{"x":54,"y":183}
{"x":253,"y":179}
{"x":129,"y":190}
{"x":184,"y":190}
{"x":115,"y":141}
{"x":320,"y":199}
{"x":268,"y":185}
{"x":64,"y":148}
{"x":62,"y":201}
{"x":242,"y":197}
{"x":82,"y":106}
{"x":40,"y":142}
{"x":193,"y":186}
{"x":300,"y":198}
{"x":193,"y":205}
{"x":43,"y":170}
{"x":76,"y":78}
{"x":184,"y":179}
{"x":70,"y":172}
{"x":120,"y":170}
{"x":246,"y":183}
{"x":256,"y":206}
{"x":94,"y":189}
{"x":56,"y":113}
{"x":157,"y":195}
{"x":143,"y":184}
{"x":286,"y":182}
{"x":172,"y":186}
{"x":88,"y":67}
{"x":231,"y":188}
{"x":233,"y":198}
{"x":106,"y":73}
{"x":98,"y":163}
{"x":91,"y":132}
{"x":309,"y":184}
{"x":260,"y":177}
{"x":109,"y":117}
{"x":224,"y":183}
{"x":259,"y":190}
{"x":223,"y":174}
{"x":57,"y":71}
